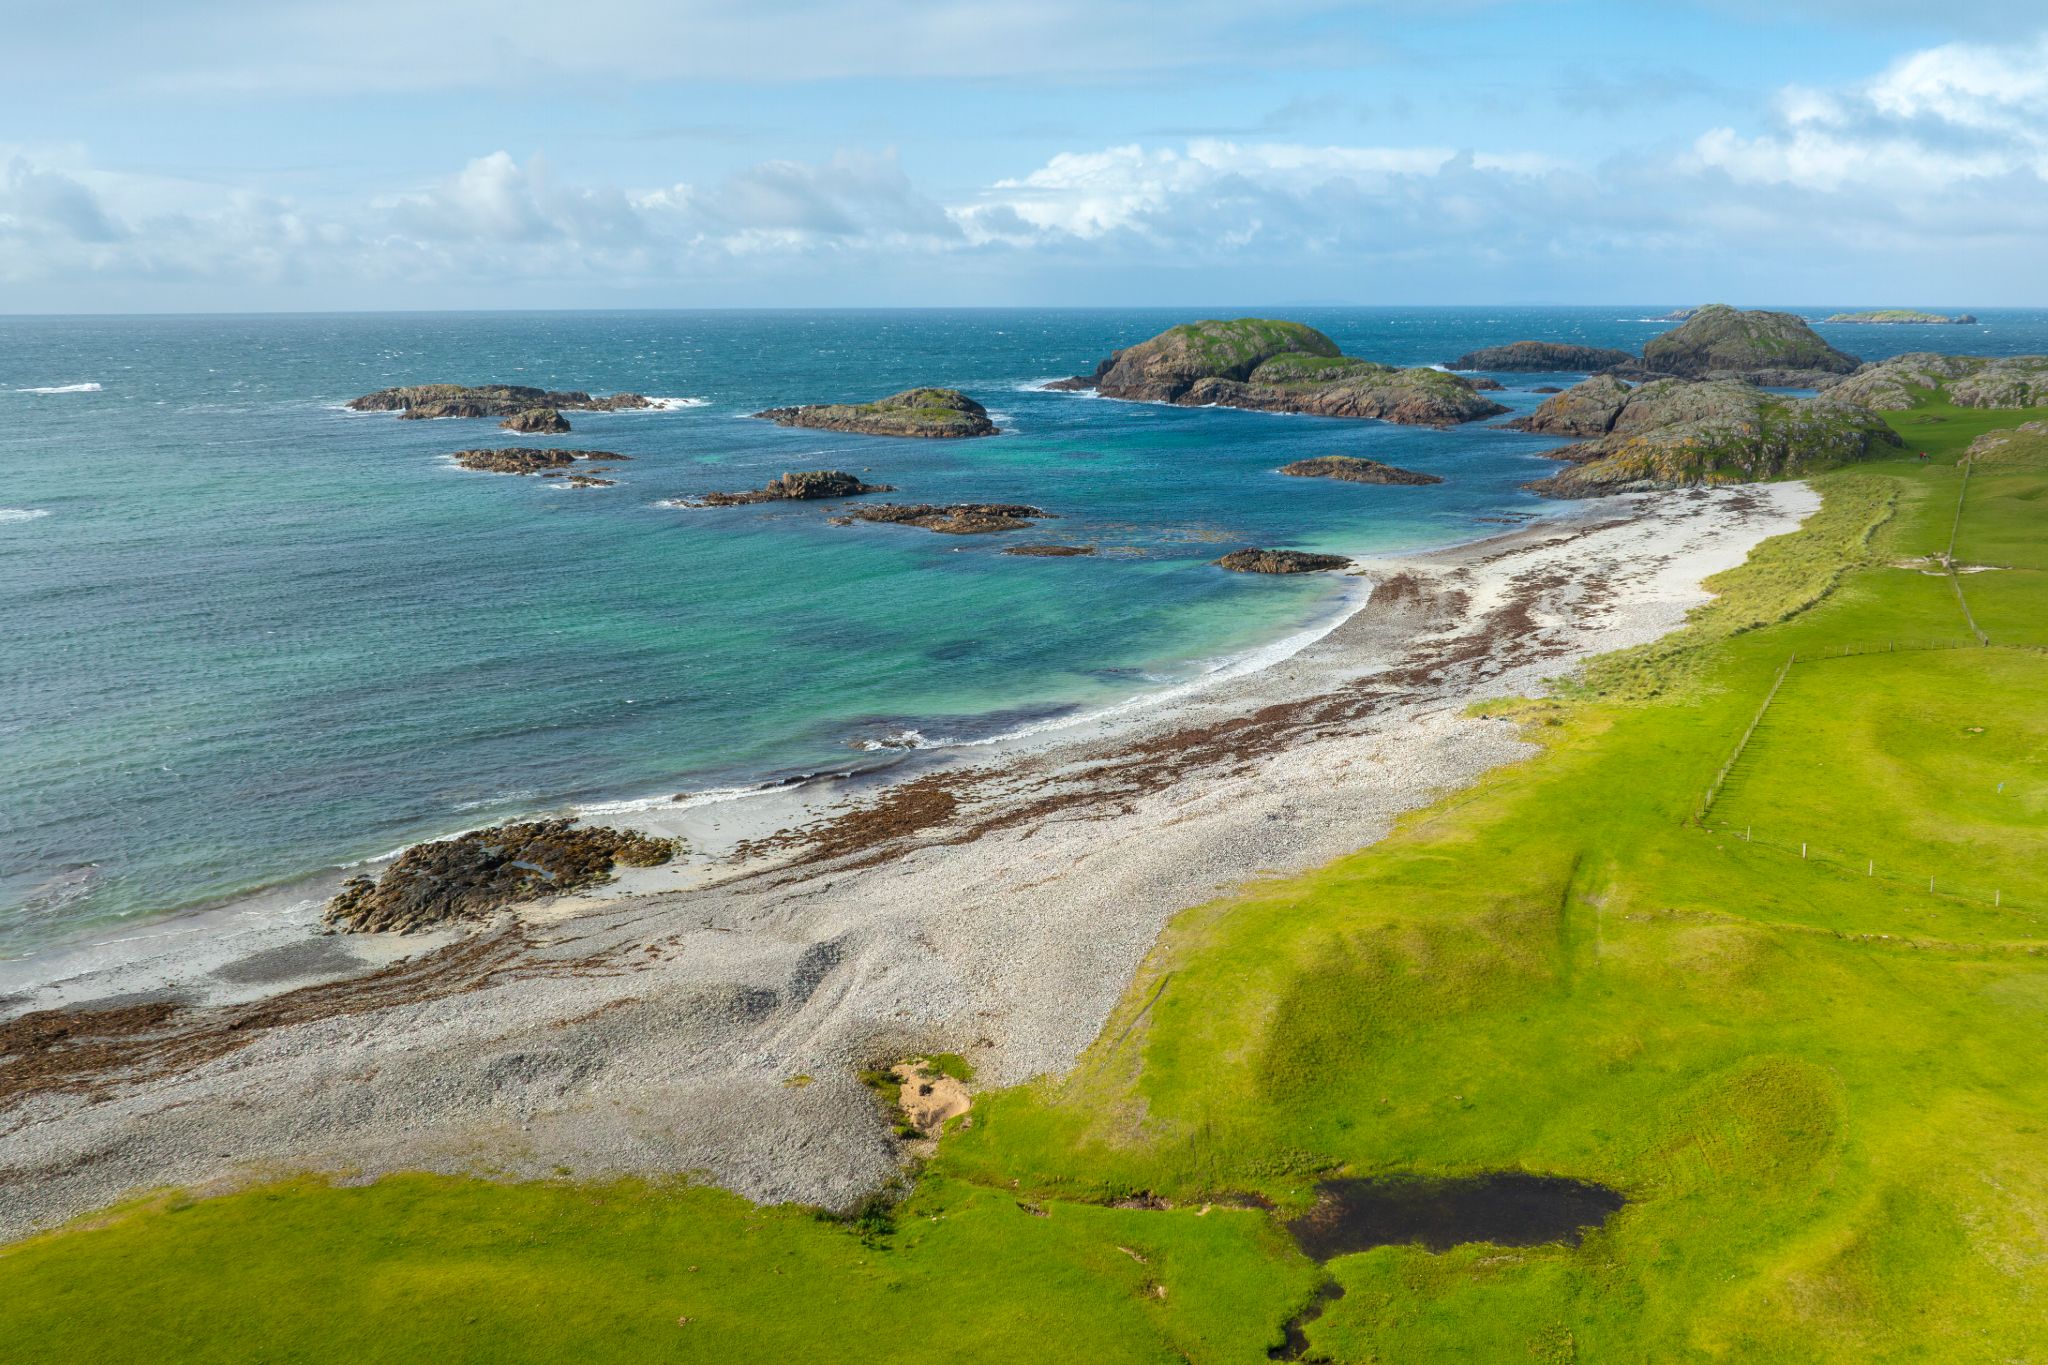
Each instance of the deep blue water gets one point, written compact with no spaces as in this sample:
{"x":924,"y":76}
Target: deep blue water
{"x":248,"y":635}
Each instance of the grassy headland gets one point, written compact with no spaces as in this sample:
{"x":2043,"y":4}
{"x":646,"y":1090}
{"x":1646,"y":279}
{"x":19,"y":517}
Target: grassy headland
{"x":1815,"y":1080}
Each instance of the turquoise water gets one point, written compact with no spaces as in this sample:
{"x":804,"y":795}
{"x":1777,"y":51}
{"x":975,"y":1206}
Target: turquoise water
{"x":249,"y":635}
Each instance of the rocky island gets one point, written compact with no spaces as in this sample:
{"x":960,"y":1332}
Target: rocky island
{"x":526,"y":460}
{"x":953,"y":519}
{"x":804,"y":485}
{"x":474,"y":875}
{"x":1352,"y":469}
{"x":1280,"y":561}
{"x":425,"y":401}
{"x":1719,"y":342}
{"x":1676,"y":433}
{"x":1904,"y":316}
{"x":1543,"y":357}
{"x":1276,"y":366}
{"x":943,"y":414}
{"x":1968,"y":381}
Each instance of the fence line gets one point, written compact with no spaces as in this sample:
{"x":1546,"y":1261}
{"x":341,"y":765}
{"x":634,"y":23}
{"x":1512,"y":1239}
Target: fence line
{"x":1993,"y":896}
{"x":1714,"y":787}
{"x":1948,"y":558}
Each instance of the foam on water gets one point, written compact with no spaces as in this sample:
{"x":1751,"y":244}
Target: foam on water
{"x":63,"y":388}
{"x":22,"y":513}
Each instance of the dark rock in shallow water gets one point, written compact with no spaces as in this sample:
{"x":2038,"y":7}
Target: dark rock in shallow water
{"x":1546,"y":388}
{"x":945,"y":414}
{"x":1512,"y":1209}
{"x":536,"y":422}
{"x":1280,"y":561}
{"x":953,"y":519}
{"x":1543,"y":357}
{"x":527,"y":459}
{"x":1050,"y":551}
{"x":1352,"y":469}
{"x":476,"y":874}
{"x":798,"y":486}
{"x":421,"y":401}
{"x":1275,"y":366}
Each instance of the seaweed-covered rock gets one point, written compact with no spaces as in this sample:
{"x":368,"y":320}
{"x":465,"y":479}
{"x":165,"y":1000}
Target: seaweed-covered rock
{"x":1352,"y":469}
{"x":422,"y":401}
{"x":1277,"y":366}
{"x":1542,"y":357}
{"x":536,"y":422}
{"x":1280,"y":561}
{"x":474,"y":875}
{"x":1049,"y":551}
{"x":1674,"y":434}
{"x":1723,"y":342}
{"x":529,"y":460}
{"x":944,"y":414}
{"x":803,"y":485}
{"x":953,"y":519}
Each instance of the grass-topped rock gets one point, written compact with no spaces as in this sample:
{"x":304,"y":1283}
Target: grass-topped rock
{"x":1904,"y":316}
{"x":1353,"y":469}
{"x":1543,"y":357}
{"x":1968,"y":381}
{"x":474,"y":875}
{"x":1719,"y":342}
{"x":945,"y":414}
{"x":423,"y":401}
{"x":1278,"y":366}
{"x":1675,"y":433}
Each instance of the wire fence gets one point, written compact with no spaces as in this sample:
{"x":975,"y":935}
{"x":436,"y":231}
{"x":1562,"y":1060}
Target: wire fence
{"x":1940,"y":884}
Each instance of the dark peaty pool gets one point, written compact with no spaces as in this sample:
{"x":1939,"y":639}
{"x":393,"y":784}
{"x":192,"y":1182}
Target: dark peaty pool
{"x":1510,"y":1208}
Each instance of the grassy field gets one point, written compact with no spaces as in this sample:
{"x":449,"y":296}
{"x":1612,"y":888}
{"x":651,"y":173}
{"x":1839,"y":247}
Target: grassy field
{"x":1818,"y":1087}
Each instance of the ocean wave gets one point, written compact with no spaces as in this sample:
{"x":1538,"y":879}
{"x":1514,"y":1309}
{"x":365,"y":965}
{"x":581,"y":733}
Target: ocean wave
{"x":902,"y":740}
{"x":64,"y":388}
{"x":672,"y":404}
{"x":22,"y":513}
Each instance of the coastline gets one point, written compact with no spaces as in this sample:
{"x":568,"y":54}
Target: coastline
{"x":994,"y":899}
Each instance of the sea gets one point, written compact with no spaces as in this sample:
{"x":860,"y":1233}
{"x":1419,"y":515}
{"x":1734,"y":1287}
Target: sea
{"x":248,"y":636}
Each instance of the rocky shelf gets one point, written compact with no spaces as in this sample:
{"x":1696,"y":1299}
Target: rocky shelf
{"x":529,"y":460}
{"x":1280,"y":561}
{"x":953,"y":519}
{"x":1352,"y":469}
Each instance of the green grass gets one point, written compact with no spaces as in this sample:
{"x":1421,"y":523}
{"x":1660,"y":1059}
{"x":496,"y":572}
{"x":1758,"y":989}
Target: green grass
{"x":1820,"y":1090}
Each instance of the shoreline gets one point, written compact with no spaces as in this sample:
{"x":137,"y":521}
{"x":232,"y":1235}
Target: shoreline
{"x":994,"y":902}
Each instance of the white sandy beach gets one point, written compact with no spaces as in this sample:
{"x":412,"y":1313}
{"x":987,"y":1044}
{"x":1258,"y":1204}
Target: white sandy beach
{"x":996,"y":904}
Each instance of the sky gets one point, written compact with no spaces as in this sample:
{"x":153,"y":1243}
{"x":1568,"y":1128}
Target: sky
{"x":257,"y":155}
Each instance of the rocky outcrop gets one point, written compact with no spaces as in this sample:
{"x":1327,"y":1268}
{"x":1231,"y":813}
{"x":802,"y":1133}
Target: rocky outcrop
{"x":1719,"y":342}
{"x":536,"y":422}
{"x":1675,"y":433}
{"x":945,"y":414}
{"x":1050,"y":551}
{"x":1968,"y":381}
{"x":1280,"y":561}
{"x":1678,"y":315}
{"x":2026,"y":443}
{"x":1276,"y":366}
{"x":1352,"y":469}
{"x":1542,"y":357}
{"x":422,"y":401}
{"x":1585,"y":410}
{"x":953,"y":519}
{"x":474,"y":875}
{"x":526,"y":460}
{"x":804,"y":485}
{"x":583,"y":481}
{"x":1904,"y":316}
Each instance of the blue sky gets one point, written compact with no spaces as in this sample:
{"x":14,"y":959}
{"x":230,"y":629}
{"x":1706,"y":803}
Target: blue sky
{"x":280,"y":154}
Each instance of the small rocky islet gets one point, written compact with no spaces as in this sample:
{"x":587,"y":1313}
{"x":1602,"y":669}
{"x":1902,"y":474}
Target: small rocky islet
{"x":952,"y":519}
{"x":1895,"y":317}
{"x":1274,"y":366}
{"x":420,"y":402}
{"x":802,"y":485}
{"x":474,"y":875}
{"x":925,"y":413}
{"x":1353,"y":469}
{"x":548,"y":461}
